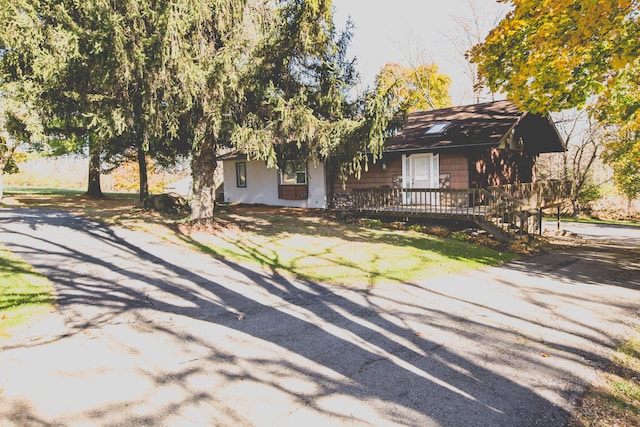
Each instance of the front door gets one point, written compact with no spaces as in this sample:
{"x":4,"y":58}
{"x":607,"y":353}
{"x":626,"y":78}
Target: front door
{"x":421,"y":165}
{"x":421,"y":171}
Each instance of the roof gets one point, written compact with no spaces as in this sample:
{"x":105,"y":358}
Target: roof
{"x":233,"y":155}
{"x":476,"y":125}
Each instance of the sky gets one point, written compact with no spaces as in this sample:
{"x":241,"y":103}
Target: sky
{"x":405,"y":31}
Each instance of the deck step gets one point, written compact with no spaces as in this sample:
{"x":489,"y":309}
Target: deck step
{"x":497,"y":231}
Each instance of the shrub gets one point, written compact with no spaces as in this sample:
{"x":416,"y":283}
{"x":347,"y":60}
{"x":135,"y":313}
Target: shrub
{"x":460,"y":236}
{"x":372,"y":223}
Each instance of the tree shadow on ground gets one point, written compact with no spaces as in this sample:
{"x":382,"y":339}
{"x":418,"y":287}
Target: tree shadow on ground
{"x":341,"y":343}
{"x":291,"y":240}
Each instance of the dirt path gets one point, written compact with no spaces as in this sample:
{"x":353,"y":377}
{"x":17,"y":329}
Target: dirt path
{"x":149,"y":333}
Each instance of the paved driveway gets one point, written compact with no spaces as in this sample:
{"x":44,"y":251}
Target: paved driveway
{"x":148,"y":333}
{"x":609,"y":234}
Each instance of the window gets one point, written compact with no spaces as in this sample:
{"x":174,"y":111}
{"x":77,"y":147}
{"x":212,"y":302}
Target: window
{"x":293,"y":173}
{"x":437,"y":128}
{"x":241,"y":174}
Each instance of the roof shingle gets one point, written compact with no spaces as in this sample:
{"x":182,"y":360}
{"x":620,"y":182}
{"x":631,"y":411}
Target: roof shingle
{"x":485,"y":124}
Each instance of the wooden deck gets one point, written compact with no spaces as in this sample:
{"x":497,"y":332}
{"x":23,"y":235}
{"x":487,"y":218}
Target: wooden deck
{"x":498,"y":209}
{"x":420,"y":202}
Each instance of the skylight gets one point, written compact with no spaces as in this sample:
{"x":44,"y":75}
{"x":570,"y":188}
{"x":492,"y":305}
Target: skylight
{"x":437,"y":128}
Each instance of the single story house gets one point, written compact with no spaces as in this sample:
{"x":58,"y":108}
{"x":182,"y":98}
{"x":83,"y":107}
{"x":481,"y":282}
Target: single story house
{"x":471,"y":146}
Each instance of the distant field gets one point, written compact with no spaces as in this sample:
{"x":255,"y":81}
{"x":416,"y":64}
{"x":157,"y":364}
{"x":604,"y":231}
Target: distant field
{"x":47,"y":191}
{"x":72,"y":172}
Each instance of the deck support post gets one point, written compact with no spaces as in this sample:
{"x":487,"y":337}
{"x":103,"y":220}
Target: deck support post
{"x":540,"y":221}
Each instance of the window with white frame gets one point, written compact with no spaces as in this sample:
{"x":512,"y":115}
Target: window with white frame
{"x":293,"y":173}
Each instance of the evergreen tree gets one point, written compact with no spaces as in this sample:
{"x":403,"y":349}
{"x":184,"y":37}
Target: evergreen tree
{"x":164,"y":77}
{"x":296,"y":95}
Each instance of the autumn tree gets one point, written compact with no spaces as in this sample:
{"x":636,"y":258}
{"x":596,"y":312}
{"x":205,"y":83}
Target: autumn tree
{"x":553,"y":55}
{"x":585,"y":139}
{"x":414,"y":88}
{"x":620,"y":105}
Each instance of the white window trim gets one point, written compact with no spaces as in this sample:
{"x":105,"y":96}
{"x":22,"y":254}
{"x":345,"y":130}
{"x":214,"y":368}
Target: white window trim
{"x":306,"y":175}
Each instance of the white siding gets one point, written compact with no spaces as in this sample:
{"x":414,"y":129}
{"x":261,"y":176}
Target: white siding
{"x":262,"y":186}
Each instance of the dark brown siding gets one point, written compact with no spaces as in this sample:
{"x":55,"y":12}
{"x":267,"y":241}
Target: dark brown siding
{"x":456,"y":166}
{"x":376,"y":176}
{"x":500,"y":167}
{"x":457,"y":170}
{"x":293,"y":192}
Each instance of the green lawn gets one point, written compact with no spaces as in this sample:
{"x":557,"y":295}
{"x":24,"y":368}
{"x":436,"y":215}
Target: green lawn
{"x":23,"y":293}
{"x":317,"y":249}
{"x":42,"y":191}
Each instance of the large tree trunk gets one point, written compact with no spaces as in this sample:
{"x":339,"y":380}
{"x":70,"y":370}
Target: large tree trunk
{"x":203,"y":166}
{"x":93,"y":189}
{"x":144,"y":180}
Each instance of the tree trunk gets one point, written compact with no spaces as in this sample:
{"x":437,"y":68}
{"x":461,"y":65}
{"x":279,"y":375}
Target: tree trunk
{"x":575,"y":204}
{"x":144,"y":180}
{"x":203,"y":166}
{"x":4,"y":159}
{"x":6,"y":151}
{"x":93,"y":189}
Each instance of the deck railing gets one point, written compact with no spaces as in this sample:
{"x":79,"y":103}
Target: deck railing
{"x":503,"y":208}
{"x":542,"y":193}
{"x":466,"y":202}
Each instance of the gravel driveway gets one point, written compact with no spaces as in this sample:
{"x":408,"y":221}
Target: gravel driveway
{"x":149,"y":333}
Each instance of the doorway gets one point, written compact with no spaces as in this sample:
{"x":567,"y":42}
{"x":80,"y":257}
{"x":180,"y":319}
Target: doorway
{"x":421,"y":171}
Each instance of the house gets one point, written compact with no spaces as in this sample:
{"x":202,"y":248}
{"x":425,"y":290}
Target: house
{"x":439,"y":160}
{"x":301,"y":185}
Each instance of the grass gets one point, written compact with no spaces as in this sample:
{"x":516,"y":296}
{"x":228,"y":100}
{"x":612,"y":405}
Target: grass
{"x":114,"y":208}
{"x":315,"y":248}
{"x":24,"y":294}
{"x":43,"y":191}
{"x":288,"y":241}
{"x":615,"y":400}
{"x":594,"y":221}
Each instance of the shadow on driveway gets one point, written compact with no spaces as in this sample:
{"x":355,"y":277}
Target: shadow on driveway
{"x":153,"y":333}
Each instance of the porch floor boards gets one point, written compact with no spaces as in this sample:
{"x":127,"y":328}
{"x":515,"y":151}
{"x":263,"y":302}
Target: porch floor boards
{"x":443,"y":212}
